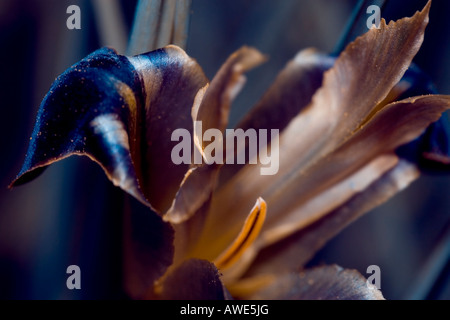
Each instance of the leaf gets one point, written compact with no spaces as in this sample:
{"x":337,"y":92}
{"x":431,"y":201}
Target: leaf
{"x":321,"y":283}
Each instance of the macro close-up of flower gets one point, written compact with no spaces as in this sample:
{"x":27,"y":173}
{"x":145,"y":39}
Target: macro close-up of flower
{"x":203,"y":203}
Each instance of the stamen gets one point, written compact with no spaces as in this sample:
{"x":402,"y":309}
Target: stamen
{"x":250,"y":231}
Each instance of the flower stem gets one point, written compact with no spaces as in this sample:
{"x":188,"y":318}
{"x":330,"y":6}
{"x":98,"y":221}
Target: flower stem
{"x":158,"y":23}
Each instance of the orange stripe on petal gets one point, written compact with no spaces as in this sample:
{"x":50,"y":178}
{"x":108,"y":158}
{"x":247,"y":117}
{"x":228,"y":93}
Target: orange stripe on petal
{"x":250,"y":231}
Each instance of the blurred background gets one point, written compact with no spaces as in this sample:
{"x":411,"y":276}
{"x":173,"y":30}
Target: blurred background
{"x":69,"y":214}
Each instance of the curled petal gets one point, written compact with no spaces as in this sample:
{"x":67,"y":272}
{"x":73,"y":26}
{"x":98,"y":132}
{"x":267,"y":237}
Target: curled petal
{"x":89,"y":111}
{"x":431,"y":151}
{"x":227,"y":83}
{"x":120,"y":111}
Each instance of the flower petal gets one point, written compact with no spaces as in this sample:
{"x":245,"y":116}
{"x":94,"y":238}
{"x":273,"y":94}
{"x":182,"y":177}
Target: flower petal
{"x":291,"y":91}
{"x":321,"y":283}
{"x":212,"y":111}
{"x":165,"y":72}
{"x":359,"y":81}
{"x":192,"y":280}
{"x":88,"y":110}
{"x":227,"y":83}
{"x":329,"y":184}
{"x":120,"y":112}
{"x":346,"y":101}
{"x":295,"y":251}
{"x":431,"y":151}
{"x":147,"y":248}
{"x":409,"y":117}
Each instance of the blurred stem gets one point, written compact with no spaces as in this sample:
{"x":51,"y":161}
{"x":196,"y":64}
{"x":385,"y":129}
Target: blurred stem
{"x":356,"y":24}
{"x":166,"y":23}
{"x":158,"y":23}
{"x":181,"y":27}
{"x":145,"y":26}
{"x":111,"y":24}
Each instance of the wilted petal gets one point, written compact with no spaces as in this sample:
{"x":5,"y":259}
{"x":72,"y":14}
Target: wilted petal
{"x":227,"y":83}
{"x":192,"y":280}
{"x":321,"y":283}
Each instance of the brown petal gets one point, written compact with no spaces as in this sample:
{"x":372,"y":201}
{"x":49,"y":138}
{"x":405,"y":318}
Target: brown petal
{"x":192,"y":280}
{"x":321,"y":283}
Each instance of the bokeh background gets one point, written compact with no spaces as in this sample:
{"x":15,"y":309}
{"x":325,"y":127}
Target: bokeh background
{"x":69,"y":215}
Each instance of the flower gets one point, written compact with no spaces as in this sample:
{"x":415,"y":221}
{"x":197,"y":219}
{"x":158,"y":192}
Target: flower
{"x":211,"y":230}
